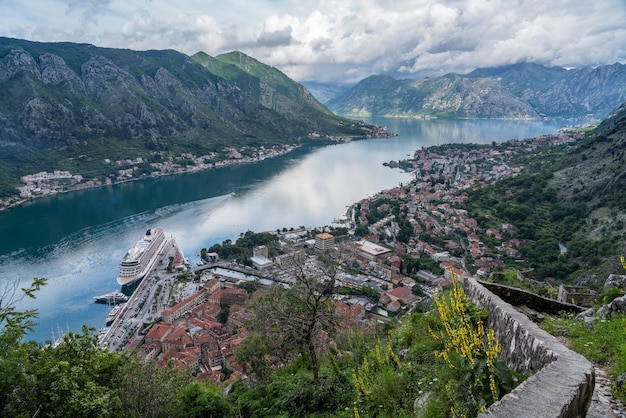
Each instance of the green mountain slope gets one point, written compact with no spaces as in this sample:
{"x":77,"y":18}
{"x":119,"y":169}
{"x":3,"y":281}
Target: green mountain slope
{"x":595,"y":172}
{"x":567,"y":205}
{"x":521,"y":78}
{"x":448,"y":96}
{"x":273,"y":90}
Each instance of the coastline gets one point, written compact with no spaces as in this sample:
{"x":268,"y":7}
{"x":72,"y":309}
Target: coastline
{"x":176,"y":169}
{"x":218,"y":233}
{"x":43,"y":184}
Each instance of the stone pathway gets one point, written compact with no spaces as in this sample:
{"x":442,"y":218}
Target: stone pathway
{"x":603,"y":405}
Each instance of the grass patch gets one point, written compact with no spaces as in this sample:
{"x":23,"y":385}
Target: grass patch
{"x":602,"y":342}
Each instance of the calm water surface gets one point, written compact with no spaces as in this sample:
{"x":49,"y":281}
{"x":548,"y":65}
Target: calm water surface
{"x":76,"y":240}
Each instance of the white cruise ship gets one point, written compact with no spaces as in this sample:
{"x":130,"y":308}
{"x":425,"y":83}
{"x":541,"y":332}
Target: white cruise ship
{"x":138,"y":260}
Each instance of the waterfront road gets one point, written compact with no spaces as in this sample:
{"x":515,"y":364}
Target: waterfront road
{"x":146,"y":303}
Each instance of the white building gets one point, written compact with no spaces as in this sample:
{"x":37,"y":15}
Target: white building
{"x":324,"y":241}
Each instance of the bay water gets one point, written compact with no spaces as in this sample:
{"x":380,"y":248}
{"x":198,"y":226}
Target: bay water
{"x":77,"y":239}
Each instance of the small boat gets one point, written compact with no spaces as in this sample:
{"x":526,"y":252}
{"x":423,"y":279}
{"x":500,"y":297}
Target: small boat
{"x":112,"y":298}
{"x":113,"y":315}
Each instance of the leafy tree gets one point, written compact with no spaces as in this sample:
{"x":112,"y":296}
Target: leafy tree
{"x":147,"y":391}
{"x":410,"y":265}
{"x":222,"y":315}
{"x":203,"y":400}
{"x":293,"y":392}
{"x":361,"y":231}
{"x":70,"y":379}
{"x":13,"y":353}
{"x":242,"y":249}
{"x":250,"y":286}
{"x":73,"y":378}
{"x":367,"y":291}
{"x":14,"y":323}
{"x":417,"y":290}
{"x":255,"y":352}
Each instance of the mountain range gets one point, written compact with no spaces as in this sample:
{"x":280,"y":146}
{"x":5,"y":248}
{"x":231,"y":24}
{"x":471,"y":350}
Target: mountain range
{"x":65,"y":102}
{"x":520,"y":91}
{"x":75,"y":106}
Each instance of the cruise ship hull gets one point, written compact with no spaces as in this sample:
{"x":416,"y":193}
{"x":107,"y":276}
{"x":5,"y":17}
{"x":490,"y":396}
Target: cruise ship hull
{"x":140,"y":259}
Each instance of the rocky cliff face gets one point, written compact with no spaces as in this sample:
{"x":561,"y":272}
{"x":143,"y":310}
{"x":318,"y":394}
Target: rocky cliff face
{"x":449,"y":96}
{"x":595,"y":172}
{"x":266,"y":85}
{"x":457,"y":96}
{"x":55,"y":95}
{"x":51,"y":103}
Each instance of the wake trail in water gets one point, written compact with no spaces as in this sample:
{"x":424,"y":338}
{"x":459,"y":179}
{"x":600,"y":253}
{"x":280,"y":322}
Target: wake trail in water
{"x":123,"y":229}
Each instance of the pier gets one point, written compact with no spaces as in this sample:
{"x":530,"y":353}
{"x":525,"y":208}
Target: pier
{"x":149,"y":298}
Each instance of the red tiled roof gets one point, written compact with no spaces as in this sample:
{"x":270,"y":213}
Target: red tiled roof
{"x":399,"y":292}
{"x":160,"y":330}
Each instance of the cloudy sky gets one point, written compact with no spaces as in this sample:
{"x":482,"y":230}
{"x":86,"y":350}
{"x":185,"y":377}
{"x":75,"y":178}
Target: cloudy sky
{"x":341,"y":41}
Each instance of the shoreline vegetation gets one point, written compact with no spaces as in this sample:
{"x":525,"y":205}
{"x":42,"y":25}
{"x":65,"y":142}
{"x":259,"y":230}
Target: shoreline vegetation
{"x":42,"y":184}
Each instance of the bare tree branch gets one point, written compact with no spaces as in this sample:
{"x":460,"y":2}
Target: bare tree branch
{"x":295,"y":317}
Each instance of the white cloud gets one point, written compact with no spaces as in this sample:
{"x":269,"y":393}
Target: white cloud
{"x":274,"y":39}
{"x":341,"y":41}
{"x":89,"y":9}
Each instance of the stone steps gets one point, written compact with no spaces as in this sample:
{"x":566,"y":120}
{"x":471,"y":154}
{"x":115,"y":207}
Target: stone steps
{"x":603,"y":405}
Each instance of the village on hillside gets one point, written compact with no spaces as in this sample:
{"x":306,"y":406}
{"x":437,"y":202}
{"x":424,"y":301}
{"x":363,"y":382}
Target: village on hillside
{"x":46,"y":183}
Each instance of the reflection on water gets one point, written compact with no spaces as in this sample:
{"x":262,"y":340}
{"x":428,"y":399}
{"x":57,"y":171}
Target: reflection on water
{"x":76,"y":240}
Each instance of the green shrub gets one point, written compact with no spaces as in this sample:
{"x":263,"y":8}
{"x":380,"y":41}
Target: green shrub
{"x":472,"y":353}
{"x":610,"y":293}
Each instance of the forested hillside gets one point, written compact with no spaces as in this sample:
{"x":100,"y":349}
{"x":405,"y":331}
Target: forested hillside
{"x":567,"y":205}
{"x":66,"y":106}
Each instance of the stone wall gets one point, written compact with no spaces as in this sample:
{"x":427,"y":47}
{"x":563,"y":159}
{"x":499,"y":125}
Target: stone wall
{"x":519,"y":297}
{"x":562,"y":381}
